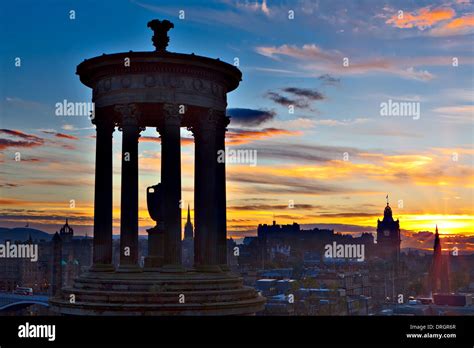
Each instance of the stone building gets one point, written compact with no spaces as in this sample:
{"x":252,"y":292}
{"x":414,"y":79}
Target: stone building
{"x":388,"y":237}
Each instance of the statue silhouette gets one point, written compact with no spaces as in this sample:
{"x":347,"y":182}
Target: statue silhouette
{"x":154,"y":196}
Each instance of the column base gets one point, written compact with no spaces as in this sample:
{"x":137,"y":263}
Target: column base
{"x":173,"y":269}
{"x":102,"y":267}
{"x":208,"y":268}
{"x":129,"y":269}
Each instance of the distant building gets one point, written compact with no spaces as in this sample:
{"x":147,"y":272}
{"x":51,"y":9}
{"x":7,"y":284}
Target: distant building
{"x":187,"y":245}
{"x":439,"y":271}
{"x":76,"y":256}
{"x":388,"y":237}
{"x":388,"y":274}
{"x":66,"y":233}
{"x":280,"y":244}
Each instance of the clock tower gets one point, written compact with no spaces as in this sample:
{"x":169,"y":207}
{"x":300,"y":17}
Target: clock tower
{"x":388,"y":236}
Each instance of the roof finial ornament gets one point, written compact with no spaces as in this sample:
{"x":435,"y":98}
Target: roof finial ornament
{"x":160,"y":29}
{"x":387,"y":199}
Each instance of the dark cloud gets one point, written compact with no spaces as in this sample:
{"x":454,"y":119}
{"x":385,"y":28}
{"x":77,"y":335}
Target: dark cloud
{"x":303,"y":152}
{"x":59,"y":182}
{"x":286,"y":101}
{"x":32,"y":160}
{"x":6,"y":143}
{"x":17,"y":138}
{"x":344,"y":215}
{"x":67,"y":146}
{"x":19,"y":134}
{"x":310,"y":94}
{"x":274,"y":207}
{"x":22,"y":139}
{"x":61,"y":135}
{"x":31,"y":217}
{"x":276,"y":184}
{"x":299,"y":97}
{"x":8,"y":185}
{"x":250,"y":117}
{"x":329,"y":80}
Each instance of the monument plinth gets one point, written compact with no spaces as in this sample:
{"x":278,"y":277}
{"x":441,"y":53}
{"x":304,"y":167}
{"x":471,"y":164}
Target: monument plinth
{"x":167,"y":91}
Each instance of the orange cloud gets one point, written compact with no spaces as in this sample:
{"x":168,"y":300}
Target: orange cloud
{"x":458,"y":26}
{"x":461,"y":22}
{"x":244,"y":136}
{"x":424,"y":17}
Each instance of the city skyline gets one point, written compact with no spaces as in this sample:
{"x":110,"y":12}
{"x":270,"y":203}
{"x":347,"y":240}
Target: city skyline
{"x":334,"y":159}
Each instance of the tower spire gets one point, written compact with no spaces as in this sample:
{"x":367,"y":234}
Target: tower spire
{"x":437,"y":242}
{"x":188,"y":227}
{"x":387,"y":198}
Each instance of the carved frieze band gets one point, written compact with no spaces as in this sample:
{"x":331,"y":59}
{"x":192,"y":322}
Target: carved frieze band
{"x":181,"y":83}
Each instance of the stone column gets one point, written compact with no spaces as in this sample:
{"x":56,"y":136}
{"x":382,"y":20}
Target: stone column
{"x":221,"y":194}
{"x":129,"y":189}
{"x":102,"y":254}
{"x":205,"y":188}
{"x":171,"y":181}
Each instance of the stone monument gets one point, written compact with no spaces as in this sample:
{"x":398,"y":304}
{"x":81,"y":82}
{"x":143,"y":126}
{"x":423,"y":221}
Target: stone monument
{"x":166,"y":91}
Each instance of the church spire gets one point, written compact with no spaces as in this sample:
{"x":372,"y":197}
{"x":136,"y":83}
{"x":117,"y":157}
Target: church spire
{"x":188,"y":227}
{"x":437,"y":242}
{"x":439,"y":271}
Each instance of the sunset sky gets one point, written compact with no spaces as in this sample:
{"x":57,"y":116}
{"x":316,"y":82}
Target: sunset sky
{"x":335,"y":157}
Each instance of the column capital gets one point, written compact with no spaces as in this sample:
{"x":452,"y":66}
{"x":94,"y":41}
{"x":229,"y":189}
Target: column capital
{"x":223,"y":122}
{"x":171,"y":114}
{"x":104,"y":124}
{"x":210,"y":122}
{"x":130,"y":114}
